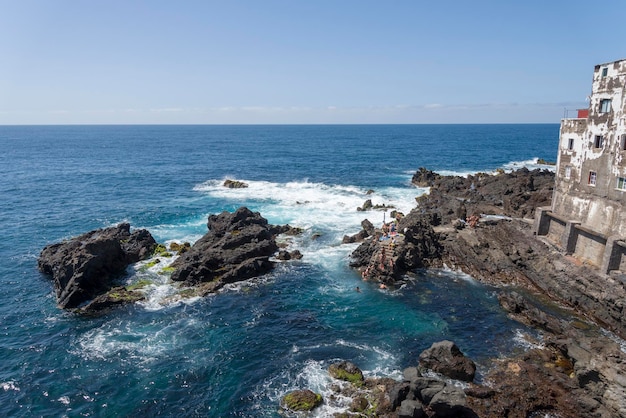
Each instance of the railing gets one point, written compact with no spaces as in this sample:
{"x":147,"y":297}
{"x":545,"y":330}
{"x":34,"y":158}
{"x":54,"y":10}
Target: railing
{"x":575,"y":113}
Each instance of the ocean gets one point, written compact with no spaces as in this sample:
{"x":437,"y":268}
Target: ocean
{"x":237,"y":352}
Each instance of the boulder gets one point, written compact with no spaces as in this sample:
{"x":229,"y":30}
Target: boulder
{"x":445,"y":357}
{"x":450,"y":402}
{"x":87,"y":266}
{"x":346,"y":371}
{"x":237,"y":247}
{"x":301,"y":400}
{"x":411,"y":408}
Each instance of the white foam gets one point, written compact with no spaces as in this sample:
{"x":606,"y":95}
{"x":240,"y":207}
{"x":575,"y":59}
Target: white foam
{"x":531,"y":164}
{"x":127,"y":342}
{"x":524,"y":340}
{"x":453,"y":274}
{"x":10,"y":385}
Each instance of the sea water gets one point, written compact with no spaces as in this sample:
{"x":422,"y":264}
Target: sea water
{"x":237,"y":352}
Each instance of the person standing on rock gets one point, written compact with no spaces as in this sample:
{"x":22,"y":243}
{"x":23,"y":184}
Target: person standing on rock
{"x":461,"y":212}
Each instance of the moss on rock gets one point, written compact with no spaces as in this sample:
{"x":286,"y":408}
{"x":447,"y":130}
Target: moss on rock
{"x":348,"y":372}
{"x":301,"y":400}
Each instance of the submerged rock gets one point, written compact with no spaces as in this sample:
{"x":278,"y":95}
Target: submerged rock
{"x":85,"y":266}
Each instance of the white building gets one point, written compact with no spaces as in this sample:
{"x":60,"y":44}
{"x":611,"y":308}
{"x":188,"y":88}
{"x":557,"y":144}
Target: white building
{"x":588,"y":213}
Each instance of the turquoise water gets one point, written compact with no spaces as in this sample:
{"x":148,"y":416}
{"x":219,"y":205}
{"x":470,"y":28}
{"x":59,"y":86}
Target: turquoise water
{"x":237,"y":352}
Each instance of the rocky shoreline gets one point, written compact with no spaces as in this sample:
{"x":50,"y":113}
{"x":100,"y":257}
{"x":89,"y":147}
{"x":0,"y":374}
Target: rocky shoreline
{"x":481,"y":225}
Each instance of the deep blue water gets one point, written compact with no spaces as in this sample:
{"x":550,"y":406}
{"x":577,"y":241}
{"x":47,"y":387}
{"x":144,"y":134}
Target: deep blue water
{"x":237,"y":352}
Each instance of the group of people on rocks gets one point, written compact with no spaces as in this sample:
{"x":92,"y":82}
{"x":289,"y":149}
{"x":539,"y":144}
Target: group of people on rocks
{"x":384,"y":262}
{"x":461,"y":213}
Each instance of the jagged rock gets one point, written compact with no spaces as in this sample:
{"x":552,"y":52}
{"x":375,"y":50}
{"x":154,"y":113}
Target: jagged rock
{"x":237,"y":247}
{"x":415,"y":246}
{"x":180,"y":248}
{"x":235,"y":184}
{"x":367,"y":205}
{"x":286,"y":230}
{"x":516,"y":194}
{"x":424,"y":177}
{"x":86,"y":266}
{"x":445,"y":357}
{"x":301,"y":400}
{"x":284,"y":255}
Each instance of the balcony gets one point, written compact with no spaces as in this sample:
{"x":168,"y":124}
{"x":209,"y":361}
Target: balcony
{"x":575,"y":113}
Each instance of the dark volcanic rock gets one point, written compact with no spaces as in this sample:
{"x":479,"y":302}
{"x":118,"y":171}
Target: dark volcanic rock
{"x":515,"y":194}
{"x":85,"y":267}
{"x":237,"y":247}
{"x":415,"y":246}
{"x":424,"y":177}
{"x":445,"y":357}
{"x":235,"y":184}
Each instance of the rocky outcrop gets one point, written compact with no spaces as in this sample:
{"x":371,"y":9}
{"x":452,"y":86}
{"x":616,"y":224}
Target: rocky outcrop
{"x":366,"y":231}
{"x":237,"y":247}
{"x":414,"y":396}
{"x":234,"y":184}
{"x":86,"y":266}
{"x":445,"y":357}
{"x":388,"y":255}
{"x":514,"y":194}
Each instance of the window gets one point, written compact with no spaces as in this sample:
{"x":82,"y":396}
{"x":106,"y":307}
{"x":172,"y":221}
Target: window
{"x":605,"y":71}
{"x":605,"y":105}
{"x":568,"y":172}
{"x":621,"y":183}
{"x":622,"y":142}
{"x":592,"y":178}
{"x":598,"y":142}
{"x":570,"y":143}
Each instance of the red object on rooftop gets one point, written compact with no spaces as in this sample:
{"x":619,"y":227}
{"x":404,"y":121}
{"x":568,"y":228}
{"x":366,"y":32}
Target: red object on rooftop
{"x":583,"y":113}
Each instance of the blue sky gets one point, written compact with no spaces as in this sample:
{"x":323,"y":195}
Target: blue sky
{"x":296,"y":61}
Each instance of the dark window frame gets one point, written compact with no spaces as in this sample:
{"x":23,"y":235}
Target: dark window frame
{"x":605,"y":106}
{"x":598,"y":141}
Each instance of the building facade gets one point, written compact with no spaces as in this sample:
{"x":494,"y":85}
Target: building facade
{"x":588,"y":213}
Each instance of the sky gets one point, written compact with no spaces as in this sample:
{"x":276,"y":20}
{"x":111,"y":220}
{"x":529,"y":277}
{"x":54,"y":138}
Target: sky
{"x":302,"y":62}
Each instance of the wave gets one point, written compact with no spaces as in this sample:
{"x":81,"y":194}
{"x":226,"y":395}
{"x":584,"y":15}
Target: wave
{"x":325,"y":212}
{"x":10,"y":385}
{"x":313,"y":374}
{"x":530,"y":164}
